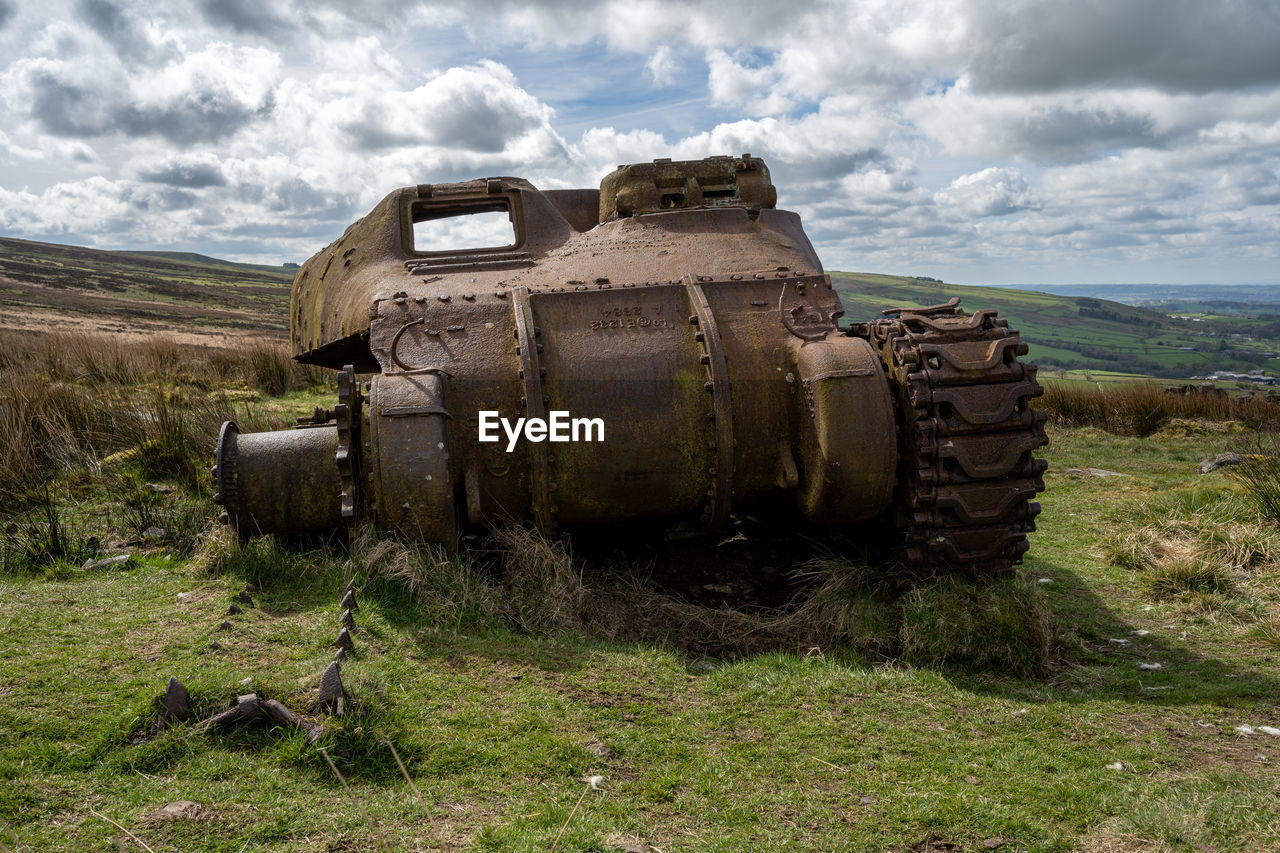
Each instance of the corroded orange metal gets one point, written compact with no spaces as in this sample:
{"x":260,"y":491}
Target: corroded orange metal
{"x":678,"y":306}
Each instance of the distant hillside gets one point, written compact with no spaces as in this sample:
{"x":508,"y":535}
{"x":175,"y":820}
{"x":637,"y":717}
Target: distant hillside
{"x":47,"y":285}
{"x":196,"y":258}
{"x":1084,"y":332}
{"x":1234,"y":299}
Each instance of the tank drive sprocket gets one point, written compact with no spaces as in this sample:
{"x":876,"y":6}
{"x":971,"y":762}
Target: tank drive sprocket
{"x":967,"y":475}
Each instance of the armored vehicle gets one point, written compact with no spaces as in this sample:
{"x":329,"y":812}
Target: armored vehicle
{"x":684,"y":322}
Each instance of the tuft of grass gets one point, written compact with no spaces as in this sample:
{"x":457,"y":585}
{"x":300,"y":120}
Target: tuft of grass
{"x":1268,"y":630}
{"x":447,"y":588}
{"x":1178,"y":576}
{"x":543,"y":584}
{"x":42,"y":539}
{"x":265,"y":561}
{"x":1201,"y":547}
{"x":1001,"y":626}
{"x":1260,"y":475}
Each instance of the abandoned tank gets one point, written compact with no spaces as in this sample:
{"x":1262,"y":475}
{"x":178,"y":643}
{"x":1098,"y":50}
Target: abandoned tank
{"x":678,"y":325}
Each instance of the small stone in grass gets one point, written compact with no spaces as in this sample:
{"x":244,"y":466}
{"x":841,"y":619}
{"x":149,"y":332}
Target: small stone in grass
{"x":600,"y":750}
{"x":1213,"y":463}
{"x":177,"y":702}
{"x":1141,"y":632}
{"x":1115,"y":765}
{"x":1150,"y":666}
{"x":1269,"y":730}
{"x":972,"y":780}
{"x":993,"y":843}
{"x":225,"y":626}
{"x":213,"y":646}
{"x":244,"y":597}
{"x":1245,"y":730}
{"x":866,"y":799}
{"x":118,"y":560}
{"x":1116,"y":642}
{"x":180,"y":810}
{"x":233,"y":610}
{"x":1045,"y":580}
{"x":154,"y":533}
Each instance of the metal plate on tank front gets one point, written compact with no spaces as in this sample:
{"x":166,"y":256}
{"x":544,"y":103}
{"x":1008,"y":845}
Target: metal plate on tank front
{"x":628,"y":356}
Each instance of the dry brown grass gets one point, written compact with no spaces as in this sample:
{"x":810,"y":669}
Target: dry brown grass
{"x":543,"y":584}
{"x":1141,"y":408}
{"x":70,"y":401}
{"x":1205,"y":549}
{"x":450,"y":588}
{"x":536,"y":586}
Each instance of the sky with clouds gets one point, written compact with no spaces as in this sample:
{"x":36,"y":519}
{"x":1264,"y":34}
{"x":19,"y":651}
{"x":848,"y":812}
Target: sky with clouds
{"x":978,"y":142}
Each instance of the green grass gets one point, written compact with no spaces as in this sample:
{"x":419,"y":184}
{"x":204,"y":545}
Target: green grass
{"x":807,"y":749}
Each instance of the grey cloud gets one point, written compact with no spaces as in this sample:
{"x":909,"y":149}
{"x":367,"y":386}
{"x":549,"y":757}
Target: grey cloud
{"x":175,"y":199}
{"x":70,"y":110}
{"x":105,"y":17}
{"x":122,"y":31}
{"x":473,"y":122}
{"x":301,"y":198}
{"x":194,"y":117}
{"x":244,"y":16}
{"x":1173,"y":45}
{"x":475,"y":109}
{"x":191,"y":175}
{"x":7,"y":11}
{"x":825,"y":169}
{"x":1064,"y":135}
{"x":65,"y":109}
{"x":934,"y":229}
{"x":371,"y":131}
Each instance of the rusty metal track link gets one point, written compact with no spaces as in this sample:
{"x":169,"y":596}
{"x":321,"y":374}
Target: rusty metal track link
{"x":967,"y":474}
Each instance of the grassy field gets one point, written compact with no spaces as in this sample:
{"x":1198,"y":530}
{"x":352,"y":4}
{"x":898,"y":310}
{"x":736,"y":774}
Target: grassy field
{"x":937,"y":716}
{"x":1068,"y":332}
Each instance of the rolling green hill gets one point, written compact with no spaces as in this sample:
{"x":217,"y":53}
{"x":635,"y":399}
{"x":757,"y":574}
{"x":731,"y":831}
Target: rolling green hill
{"x":1073,"y":332}
{"x":46,"y":285}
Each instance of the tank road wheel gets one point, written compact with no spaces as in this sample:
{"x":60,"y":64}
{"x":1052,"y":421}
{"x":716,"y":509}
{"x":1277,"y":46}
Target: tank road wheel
{"x":967,"y":433}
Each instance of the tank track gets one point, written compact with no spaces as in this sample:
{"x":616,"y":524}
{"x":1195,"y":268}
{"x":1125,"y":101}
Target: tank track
{"x":967,"y":434}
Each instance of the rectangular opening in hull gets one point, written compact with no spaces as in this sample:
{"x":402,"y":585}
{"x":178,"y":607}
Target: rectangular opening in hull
{"x":462,"y":228}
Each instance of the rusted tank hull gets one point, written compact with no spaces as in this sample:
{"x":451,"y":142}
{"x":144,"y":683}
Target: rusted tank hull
{"x":678,"y":313}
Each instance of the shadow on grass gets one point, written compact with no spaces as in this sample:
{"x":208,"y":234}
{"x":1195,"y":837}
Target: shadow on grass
{"x":1092,"y":666}
{"x":737,"y":596}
